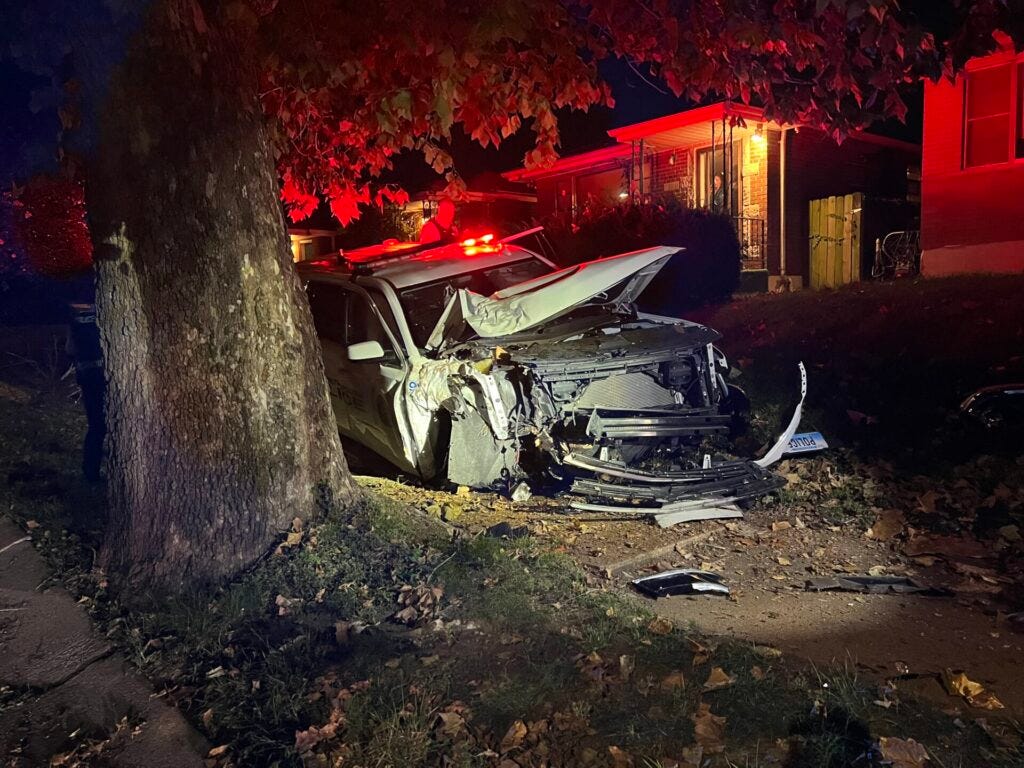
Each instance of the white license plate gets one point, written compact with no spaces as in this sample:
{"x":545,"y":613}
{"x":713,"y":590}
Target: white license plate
{"x":805,"y":442}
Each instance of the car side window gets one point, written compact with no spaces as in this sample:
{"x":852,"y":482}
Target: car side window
{"x":327,"y":303}
{"x":364,"y":325}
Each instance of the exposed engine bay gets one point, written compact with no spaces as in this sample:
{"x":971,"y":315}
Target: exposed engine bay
{"x":615,"y":406}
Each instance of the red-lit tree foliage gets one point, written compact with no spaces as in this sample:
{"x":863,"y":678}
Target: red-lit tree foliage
{"x":220,"y":424}
{"x":43,"y":230}
{"x":348,"y":92}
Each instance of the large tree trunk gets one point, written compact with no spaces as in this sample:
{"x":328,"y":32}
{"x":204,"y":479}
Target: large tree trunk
{"x":220,"y":425}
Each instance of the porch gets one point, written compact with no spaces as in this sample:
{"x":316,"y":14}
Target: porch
{"x":718,"y":157}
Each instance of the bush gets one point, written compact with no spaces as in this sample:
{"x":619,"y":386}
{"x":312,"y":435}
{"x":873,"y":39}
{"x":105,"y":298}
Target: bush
{"x":708,"y":271}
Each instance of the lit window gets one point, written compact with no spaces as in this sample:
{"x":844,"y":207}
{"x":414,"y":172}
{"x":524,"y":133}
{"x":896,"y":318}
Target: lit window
{"x":989,"y":105}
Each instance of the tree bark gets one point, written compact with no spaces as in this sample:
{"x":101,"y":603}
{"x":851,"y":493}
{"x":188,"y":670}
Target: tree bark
{"x":220,"y":425}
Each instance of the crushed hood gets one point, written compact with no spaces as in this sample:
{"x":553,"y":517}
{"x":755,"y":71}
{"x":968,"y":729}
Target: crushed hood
{"x":613,"y":281}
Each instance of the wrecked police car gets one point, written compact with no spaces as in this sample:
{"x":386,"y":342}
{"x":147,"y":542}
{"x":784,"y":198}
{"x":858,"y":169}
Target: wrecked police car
{"x":483,"y":364}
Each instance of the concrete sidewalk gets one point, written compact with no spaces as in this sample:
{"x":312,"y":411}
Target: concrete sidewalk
{"x":80,"y":687}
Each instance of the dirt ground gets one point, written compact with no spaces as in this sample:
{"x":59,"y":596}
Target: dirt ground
{"x":766,"y":558}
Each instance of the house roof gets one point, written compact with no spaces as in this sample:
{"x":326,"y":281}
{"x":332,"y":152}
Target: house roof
{"x":593,"y":160}
{"x":686,"y":127}
{"x":689,"y":128}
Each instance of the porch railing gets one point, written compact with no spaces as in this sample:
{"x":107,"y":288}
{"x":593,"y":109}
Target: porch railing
{"x":753,"y":237}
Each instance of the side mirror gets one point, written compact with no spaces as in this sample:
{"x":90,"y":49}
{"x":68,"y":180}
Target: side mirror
{"x":365,"y":351}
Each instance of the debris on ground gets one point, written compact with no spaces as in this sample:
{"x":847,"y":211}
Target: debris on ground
{"x":505,"y":530}
{"x":957,"y":683}
{"x":875,"y":585}
{"x":681,"y":581}
{"x":521,"y":492}
{"x":902,"y":753}
{"x":419,"y":604}
{"x":806,"y":442}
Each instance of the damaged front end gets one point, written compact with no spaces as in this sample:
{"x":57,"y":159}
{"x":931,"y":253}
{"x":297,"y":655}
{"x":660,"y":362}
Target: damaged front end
{"x":561,"y":382}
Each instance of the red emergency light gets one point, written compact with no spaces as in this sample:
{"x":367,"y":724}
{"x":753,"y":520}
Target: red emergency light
{"x":472,"y":246}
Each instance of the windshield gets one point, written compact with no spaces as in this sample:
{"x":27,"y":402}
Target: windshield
{"x":424,"y":304}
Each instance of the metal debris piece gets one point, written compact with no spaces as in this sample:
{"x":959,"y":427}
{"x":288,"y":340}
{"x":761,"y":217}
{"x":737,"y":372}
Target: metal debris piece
{"x":521,"y":492}
{"x":505,"y":530}
{"x":996,"y":407}
{"x":681,"y":581}
{"x":777,"y":450}
{"x":708,"y":493}
{"x":670,"y":515}
{"x":877,"y":585}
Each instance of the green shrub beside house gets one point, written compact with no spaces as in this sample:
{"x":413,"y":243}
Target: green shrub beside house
{"x":706,"y":272}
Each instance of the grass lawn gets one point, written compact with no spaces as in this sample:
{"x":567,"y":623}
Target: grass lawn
{"x":381,"y":637}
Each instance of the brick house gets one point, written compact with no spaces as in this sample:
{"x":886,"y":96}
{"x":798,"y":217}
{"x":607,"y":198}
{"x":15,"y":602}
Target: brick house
{"x":770,"y":173}
{"x":972,"y":175}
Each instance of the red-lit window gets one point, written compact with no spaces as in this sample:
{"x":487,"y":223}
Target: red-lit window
{"x":1020,"y":110}
{"x":989,"y":106}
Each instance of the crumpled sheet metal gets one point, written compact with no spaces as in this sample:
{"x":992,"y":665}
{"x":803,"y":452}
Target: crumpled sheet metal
{"x":778,"y":450}
{"x":681,"y":581}
{"x":875,"y":585}
{"x":529,"y":304}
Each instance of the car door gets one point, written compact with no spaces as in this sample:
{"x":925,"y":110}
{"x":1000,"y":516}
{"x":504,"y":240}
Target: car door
{"x":328,"y":303}
{"x":375,"y":386}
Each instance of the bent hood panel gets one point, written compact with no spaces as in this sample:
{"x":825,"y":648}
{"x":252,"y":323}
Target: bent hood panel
{"x":615,"y":280}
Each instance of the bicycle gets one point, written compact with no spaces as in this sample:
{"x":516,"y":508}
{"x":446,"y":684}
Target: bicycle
{"x":898,"y":254}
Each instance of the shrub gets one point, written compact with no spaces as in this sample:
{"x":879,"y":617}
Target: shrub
{"x":707,"y":271}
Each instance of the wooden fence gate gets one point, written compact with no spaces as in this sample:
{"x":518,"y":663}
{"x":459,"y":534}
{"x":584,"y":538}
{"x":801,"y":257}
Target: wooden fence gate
{"x":835,"y":240}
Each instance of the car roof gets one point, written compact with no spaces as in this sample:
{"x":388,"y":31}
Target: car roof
{"x":426,"y":266}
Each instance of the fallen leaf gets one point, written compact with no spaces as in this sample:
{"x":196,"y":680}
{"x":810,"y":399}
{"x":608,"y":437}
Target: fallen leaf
{"x":672,"y":681}
{"x":783,"y":560}
{"x":781,"y":525}
{"x":718,"y":678}
{"x":285,"y":604}
{"x":1010,"y":532}
{"x":218,"y":751}
{"x":700,"y":653}
{"x":947,"y":546}
{"x":756,"y":672}
{"x":958,"y":684}
{"x":207,"y":718}
{"x":926,"y":501}
{"x":513,"y":736}
{"x":31,"y":524}
{"x":887,"y":525}
{"x":692,"y":756}
{"x":903,"y":753}
{"x":659,"y":626}
{"x":709,"y":729}
{"x":859,"y":418}
{"x":450,"y":723}
{"x":620,"y":758}
{"x":626,"y":666}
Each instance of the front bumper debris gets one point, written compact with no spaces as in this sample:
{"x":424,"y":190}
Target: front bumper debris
{"x":682,"y":495}
{"x":672,"y":497}
{"x":681,"y":581}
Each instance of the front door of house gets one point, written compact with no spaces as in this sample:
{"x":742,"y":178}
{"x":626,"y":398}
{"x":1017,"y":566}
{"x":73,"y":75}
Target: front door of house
{"x":726,"y":162}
